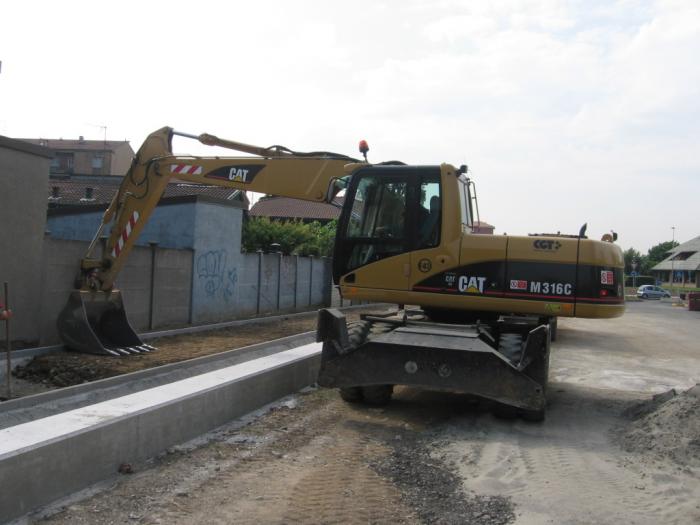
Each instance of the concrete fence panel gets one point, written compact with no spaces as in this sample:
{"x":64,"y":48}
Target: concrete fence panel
{"x":172,"y":288}
{"x":61,"y":263}
{"x":269,"y":280}
{"x":288,"y":266}
{"x":248,"y":285}
{"x":134,"y":281}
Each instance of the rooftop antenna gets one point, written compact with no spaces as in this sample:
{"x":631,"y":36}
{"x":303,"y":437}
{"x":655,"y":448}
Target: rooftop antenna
{"x":104,"y":132}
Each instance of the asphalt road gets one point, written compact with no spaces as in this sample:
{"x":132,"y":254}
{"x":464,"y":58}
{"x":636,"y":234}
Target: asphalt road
{"x":441,"y":458}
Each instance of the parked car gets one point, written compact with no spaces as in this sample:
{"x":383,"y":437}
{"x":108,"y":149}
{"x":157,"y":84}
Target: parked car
{"x":652,"y":292}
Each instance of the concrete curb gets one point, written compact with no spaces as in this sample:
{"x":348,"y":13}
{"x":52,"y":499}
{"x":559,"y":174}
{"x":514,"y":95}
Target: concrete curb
{"x":43,"y":461}
{"x":32,"y":407}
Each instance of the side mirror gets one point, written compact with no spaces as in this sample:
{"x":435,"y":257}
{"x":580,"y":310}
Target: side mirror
{"x":335,"y":187}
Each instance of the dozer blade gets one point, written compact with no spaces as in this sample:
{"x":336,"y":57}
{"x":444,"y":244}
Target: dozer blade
{"x":96,"y":323}
{"x":437,"y":359}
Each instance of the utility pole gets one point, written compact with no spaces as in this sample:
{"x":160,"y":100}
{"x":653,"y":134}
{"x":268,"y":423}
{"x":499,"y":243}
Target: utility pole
{"x":673,"y":241}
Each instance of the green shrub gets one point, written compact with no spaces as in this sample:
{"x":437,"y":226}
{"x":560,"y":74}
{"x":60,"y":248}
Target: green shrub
{"x":294,"y":237}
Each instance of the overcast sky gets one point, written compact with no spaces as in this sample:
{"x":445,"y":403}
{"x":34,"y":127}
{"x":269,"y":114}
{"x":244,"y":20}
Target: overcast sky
{"x":567,"y":112}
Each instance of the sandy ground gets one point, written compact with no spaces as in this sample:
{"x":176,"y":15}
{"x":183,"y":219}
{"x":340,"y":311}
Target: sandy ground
{"x":441,"y":458}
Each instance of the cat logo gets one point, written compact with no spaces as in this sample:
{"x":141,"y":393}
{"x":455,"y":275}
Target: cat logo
{"x":424,"y":265}
{"x":471,"y":284}
{"x":238,"y":174}
{"x":242,"y":173}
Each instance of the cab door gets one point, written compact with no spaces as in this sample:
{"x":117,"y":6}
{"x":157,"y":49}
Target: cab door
{"x":372,"y":245}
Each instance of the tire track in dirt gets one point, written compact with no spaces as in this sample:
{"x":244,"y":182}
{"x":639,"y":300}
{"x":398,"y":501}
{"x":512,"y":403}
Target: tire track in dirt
{"x":565,"y":470}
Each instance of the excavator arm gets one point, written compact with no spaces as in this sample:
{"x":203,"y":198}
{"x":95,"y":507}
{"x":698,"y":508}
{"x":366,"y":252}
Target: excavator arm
{"x":94,"y":320}
{"x":275,"y":170}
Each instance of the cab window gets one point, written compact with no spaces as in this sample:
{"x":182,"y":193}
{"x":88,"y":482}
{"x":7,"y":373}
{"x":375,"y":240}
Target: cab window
{"x":429,"y":217}
{"x":376,"y":227}
{"x":464,"y":203}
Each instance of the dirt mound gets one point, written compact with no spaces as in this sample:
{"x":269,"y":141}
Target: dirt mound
{"x":667,"y":426}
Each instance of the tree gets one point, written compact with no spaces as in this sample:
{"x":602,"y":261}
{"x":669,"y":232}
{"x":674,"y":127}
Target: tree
{"x":659,"y":252}
{"x":632,"y":256}
{"x":292,"y":236}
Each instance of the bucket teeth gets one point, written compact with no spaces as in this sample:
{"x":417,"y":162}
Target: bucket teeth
{"x":144,"y":348}
{"x":122,"y":351}
{"x":149,"y":347}
{"x":112,"y":352}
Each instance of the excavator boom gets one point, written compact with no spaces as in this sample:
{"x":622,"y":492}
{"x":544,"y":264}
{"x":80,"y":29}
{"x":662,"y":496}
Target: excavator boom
{"x":94,"y":320}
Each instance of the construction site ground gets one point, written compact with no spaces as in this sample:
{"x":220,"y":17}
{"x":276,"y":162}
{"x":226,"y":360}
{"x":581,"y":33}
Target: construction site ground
{"x":60,"y":369}
{"x":618,"y":446}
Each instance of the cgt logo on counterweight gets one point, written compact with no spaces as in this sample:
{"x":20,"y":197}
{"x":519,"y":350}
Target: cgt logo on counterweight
{"x":546,"y":245}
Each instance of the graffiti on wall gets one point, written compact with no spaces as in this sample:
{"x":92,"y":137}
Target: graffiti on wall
{"x":231,"y":280}
{"x":210,"y":270}
{"x":216,"y":279}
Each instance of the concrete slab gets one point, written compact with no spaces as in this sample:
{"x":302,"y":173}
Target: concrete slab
{"x":46,"y":459}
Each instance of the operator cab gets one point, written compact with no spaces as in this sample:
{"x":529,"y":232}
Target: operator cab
{"x":388,"y":211}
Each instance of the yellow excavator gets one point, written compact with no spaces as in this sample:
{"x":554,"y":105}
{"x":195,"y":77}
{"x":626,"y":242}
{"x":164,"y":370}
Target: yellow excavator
{"x":486,"y":305}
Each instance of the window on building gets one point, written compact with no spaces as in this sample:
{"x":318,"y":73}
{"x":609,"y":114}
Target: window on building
{"x":97,"y":164}
{"x":683,"y":256}
{"x":62,"y":162}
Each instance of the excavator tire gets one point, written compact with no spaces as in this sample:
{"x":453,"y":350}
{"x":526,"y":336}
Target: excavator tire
{"x":539,"y":371}
{"x":375,"y":395}
{"x":357,"y":334}
{"x":511,"y":346}
{"x":351,"y":394}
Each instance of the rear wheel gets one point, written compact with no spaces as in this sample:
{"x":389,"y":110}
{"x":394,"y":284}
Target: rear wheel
{"x":553,"y":327}
{"x":511,"y":346}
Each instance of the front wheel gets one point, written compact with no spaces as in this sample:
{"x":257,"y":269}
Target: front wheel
{"x":352,"y":394}
{"x":377,"y":395}
{"x":645,"y":296}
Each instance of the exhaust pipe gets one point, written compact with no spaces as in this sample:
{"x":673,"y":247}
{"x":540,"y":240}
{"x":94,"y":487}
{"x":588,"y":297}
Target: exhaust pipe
{"x":95,"y":323}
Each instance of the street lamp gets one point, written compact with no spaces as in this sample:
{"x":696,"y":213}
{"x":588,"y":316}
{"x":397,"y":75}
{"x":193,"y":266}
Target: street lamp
{"x":673,"y":241}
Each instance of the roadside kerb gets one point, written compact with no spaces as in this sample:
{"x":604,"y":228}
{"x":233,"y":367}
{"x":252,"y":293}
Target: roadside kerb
{"x":45,"y":460}
{"x":45,"y":404}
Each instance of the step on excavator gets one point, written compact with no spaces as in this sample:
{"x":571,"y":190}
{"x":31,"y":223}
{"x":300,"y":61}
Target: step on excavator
{"x":486,"y":305}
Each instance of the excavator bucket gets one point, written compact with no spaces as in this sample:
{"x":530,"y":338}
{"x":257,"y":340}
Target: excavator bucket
{"x":96,"y":323}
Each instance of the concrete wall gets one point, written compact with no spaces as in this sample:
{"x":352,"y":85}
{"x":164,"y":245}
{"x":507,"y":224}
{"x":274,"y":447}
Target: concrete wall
{"x":171,"y":286}
{"x":195,"y":275}
{"x":164,"y":278}
{"x":217,"y":247}
{"x":24,"y":177}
